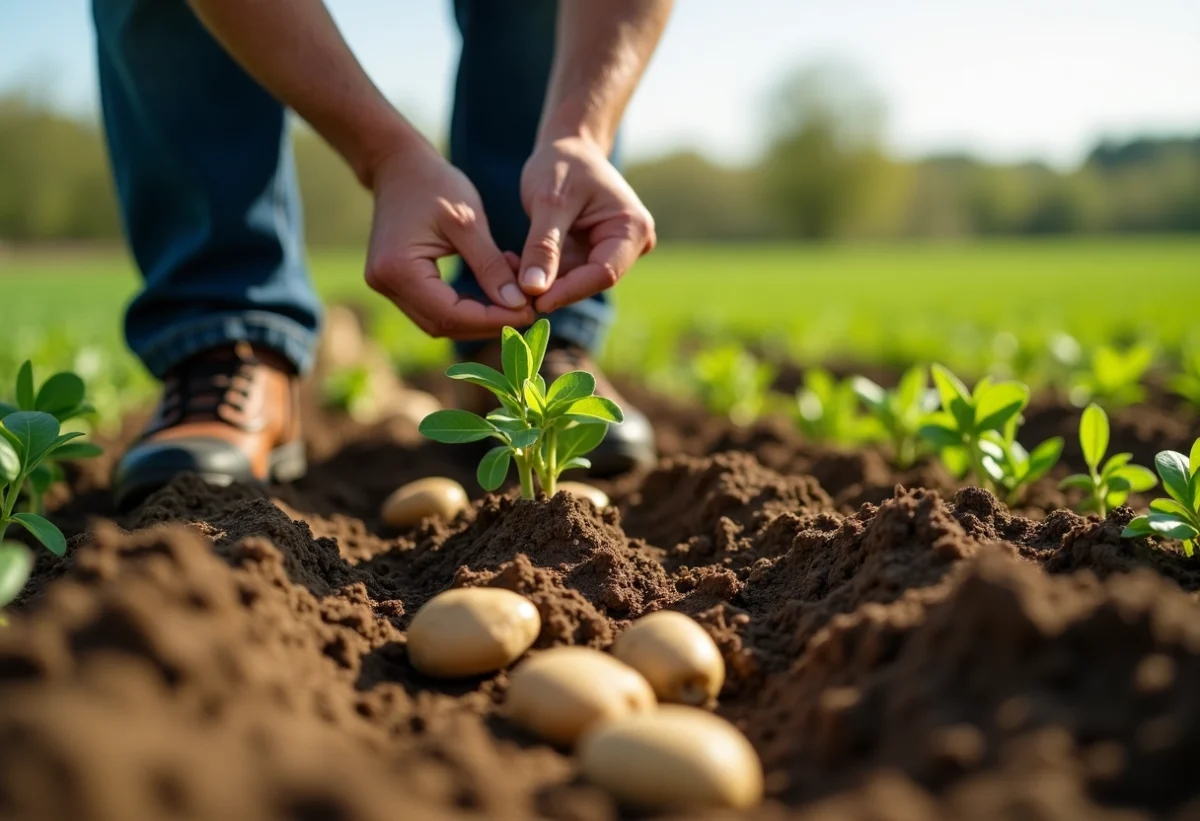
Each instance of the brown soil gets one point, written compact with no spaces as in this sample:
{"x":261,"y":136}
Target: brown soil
{"x":897,"y":648}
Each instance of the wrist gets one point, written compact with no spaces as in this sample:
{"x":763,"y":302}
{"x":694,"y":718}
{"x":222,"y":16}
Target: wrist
{"x":381,"y":143}
{"x":580,"y":124}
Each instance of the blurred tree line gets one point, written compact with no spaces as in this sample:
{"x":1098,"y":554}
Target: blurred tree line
{"x":823,"y":174}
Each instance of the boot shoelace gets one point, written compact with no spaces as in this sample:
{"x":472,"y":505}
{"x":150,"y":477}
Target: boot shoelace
{"x":207,"y":389}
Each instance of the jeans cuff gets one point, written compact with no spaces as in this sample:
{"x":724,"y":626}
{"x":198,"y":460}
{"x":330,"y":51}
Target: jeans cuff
{"x":584,"y":324}
{"x":285,"y":336}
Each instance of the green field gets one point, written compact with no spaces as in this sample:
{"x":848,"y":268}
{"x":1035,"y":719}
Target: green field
{"x":870,"y":302}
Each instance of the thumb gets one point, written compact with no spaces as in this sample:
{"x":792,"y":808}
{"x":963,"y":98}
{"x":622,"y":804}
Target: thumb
{"x":542,"y":256}
{"x":492,"y":269}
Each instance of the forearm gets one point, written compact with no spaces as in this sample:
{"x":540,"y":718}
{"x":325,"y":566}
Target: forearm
{"x":294,"y":49}
{"x":602,"y":51}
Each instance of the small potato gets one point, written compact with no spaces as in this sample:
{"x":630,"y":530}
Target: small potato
{"x":675,"y":756}
{"x":470,"y":631}
{"x":560,"y":693}
{"x":676,"y":655}
{"x":435,"y":496}
{"x":579,"y":489}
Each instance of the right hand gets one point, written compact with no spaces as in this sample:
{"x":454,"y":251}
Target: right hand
{"x":426,"y":209}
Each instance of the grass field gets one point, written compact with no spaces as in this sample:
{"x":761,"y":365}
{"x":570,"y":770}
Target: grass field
{"x":862,"y":301}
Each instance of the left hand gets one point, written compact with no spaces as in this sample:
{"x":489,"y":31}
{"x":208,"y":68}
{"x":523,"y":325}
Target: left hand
{"x":587,"y":228}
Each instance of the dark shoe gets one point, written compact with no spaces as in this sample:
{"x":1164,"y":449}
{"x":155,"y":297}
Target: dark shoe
{"x":627,"y":446}
{"x":229,"y":415}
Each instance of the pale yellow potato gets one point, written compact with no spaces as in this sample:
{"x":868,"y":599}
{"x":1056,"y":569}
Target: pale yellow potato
{"x":435,"y":496}
{"x":584,"y":491}
{"x":675,"y":756}
{"x":676,"y":655}
{"x":470,"y":631}
{"x":557,"y":695}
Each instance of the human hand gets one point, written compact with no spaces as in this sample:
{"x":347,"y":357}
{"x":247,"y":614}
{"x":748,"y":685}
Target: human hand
{"x":578,"y":202}
{"x":426,"y":209}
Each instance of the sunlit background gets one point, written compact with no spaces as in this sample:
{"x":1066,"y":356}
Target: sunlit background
{"x":889,"y":182}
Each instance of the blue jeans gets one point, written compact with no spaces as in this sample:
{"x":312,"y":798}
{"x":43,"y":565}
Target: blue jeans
{"x":207,"y":183}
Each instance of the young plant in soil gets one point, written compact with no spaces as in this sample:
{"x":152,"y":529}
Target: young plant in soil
{"x":732,"y":382}
{"x":62,"y":397}
{"x":1186,"y":383}
{"x":544,"y":430}
{"x":975,"y":432}
{"x":827,"y":411}
{"x":1115,"y":376}
{"x":1179,"y":516}
{"x":1105,"y":486}
{"x":900,"y":411}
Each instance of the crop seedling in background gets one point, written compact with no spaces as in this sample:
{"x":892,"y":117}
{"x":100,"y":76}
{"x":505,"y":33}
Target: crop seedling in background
{"x":1115,"y":377}
{"x":975,"y":432}
{"x":1105,"y":486}
{"x":1186,"y":383}
{"x":62,"y":397}
{"x":900,"y":411}
{"x":1179,"y":516}
{"x":732,"y":382}
{"x":827,"y":411}
{"x":544,"y":430}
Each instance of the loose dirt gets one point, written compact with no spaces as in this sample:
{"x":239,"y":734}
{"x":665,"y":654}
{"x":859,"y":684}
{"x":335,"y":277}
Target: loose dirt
{"x":897,"y":647}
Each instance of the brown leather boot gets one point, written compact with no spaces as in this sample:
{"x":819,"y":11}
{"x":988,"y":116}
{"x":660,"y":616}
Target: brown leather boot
{"x":627,"y":445}
{"x":230,"y":414}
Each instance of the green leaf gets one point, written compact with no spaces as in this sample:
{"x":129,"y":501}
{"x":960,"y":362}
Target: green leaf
{"x":1115,"y":463}
{"x":493,"y":468}
{"x":456,"y":427}
{"x":580,"y":439}
{"x":1170,"y":507}
{"x":911,"y":388}
{"x":481,"y":375}
{"x":1166,"y":524}
{"x":61,"y":393}
{"x":999,"y":404}
{"x":941,"y":435}
{"x":16,"y":563}
{"x":534,"y":398}
{"x":43,"y":531}
{"x":58,"y":443}
{"x":1194,"y":458}
{"x":1138,"y":527}
{"x":1176,"y":479}
{"x":25,"y":396}
{"x":957,"y":460}
{"x":575,"y":463}
{"x":35,"y":431}
{"x":77,"y":450}
{"x":994,"y":469}
{"x":524,"y":438}
{"x":872,"y":395}
{"x":43,"y":477}
{"x":505,"y":422}
{"x":6,"y":409}
{"x":517,"y":360}
{"x":949,"y":387}
{"x":82,"y":409}
{"x":569,"y":387}
{"x":10,"y":463}
{"x":537,"y":338}
{"x":596,"y":407}
{"x":1077,"y":480}
{"x":1140,"y":479}
{"x":1116,"y":484}
{"x":1093,"y":435}
{"x":1044,"y":457}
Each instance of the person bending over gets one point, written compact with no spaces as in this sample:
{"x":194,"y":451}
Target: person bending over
{"x":194,"y":97}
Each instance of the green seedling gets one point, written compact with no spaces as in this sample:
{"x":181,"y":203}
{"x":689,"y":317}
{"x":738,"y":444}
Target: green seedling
{"x":827,"y":411}
{"x":16,"y":564}
{"x":732,"y":382}
{"x":975,"y":433}
{"x":543,"y":430}
{"x":900,"y":411}
{"x":1115,"y":376}
{"x":1186,"y":383}
{"x":1106,"y":485}
{"x":28,"y":439}
{"x":61,"y":397}
{"x":1010,"y":466}
{"x":1179,"y":516}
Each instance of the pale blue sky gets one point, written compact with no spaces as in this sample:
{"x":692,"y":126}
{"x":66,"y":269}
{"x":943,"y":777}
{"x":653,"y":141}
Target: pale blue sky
{"x":1007,"y":79}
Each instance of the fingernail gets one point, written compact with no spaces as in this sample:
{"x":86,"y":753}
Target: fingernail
{"x":511,"y":295}
{"x":534,"y":278}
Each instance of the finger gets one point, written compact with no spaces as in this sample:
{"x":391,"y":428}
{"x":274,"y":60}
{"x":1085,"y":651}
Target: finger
{"x":512,"y":259}
{"x":551,"y":219}
{"x":468,"y":232}
{"x":418,"y":290}
{"x":607,"y":263}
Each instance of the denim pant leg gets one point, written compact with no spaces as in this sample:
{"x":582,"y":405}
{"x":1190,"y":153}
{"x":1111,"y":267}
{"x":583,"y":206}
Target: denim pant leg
{"x":207,"y":186}
{"x":507,"y":51}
